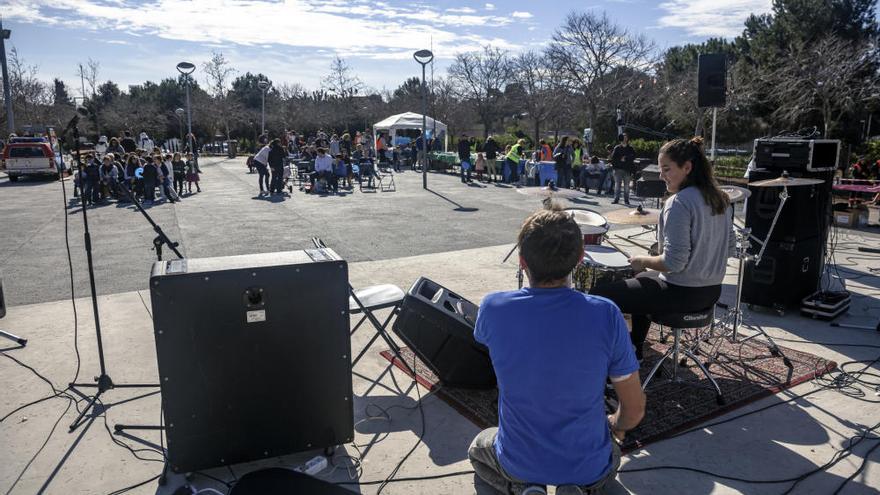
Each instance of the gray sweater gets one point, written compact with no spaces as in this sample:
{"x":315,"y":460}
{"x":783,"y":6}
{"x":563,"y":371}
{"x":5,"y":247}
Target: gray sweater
{"x":694,"y":243}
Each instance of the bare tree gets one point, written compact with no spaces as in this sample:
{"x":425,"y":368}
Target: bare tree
{"x":89,"y":74}
{"x":340,"y":82}
{"x":830,"y":77}
{"x":588,"y":48}
{"x":535,"y":80}
{"x":29,"y":94}
{"x":479,"y":79}
{"x":218,"y":72}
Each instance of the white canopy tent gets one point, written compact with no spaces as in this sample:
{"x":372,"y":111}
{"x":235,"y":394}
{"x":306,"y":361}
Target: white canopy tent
{"x":410,"y":120}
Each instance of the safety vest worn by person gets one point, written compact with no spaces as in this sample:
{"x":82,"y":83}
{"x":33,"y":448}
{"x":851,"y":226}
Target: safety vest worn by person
{"x":515,"y":153}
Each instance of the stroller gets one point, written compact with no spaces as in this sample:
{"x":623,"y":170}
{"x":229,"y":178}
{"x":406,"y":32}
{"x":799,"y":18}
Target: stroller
{"x":285,"y":177}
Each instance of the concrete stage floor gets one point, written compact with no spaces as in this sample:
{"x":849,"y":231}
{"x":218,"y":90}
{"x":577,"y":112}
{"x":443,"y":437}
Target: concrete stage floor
{"x":780,"y":442}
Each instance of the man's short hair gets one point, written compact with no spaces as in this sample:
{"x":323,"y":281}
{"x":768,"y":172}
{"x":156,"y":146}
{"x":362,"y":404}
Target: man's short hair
{"x":551,"y":244}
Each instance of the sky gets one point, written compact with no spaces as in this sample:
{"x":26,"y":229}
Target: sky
{"x":295,"y":41}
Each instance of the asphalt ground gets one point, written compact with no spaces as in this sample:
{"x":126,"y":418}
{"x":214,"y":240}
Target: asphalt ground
{"x":229,"y":217}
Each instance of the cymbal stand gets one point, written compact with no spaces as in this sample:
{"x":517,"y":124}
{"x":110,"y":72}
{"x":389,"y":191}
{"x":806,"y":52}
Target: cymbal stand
{"x":733,"y":319}
{"x":519,"y":270}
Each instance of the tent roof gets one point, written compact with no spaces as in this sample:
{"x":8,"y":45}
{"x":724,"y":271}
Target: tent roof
{"x":408,"y":120}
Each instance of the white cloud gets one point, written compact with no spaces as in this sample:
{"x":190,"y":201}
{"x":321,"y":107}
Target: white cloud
{"x":462,"y":10}
{"x":375,"y":28}
{"x":521,"y":15}
{"x":490,"y":6}
{"x":720,"y":18}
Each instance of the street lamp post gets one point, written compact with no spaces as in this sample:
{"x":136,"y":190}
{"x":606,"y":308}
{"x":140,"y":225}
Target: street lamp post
{"x":424,"y":58}
{"x":179,"y":112}
{"x":187,"y":68}
{"x":7,"y":93}
{"x":263,"y":85}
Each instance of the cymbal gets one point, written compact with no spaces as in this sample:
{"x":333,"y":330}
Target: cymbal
{"x":786,"y":181}
{"x":590,"y":222}
{"x":735,"y":194}
{"x":634,"y":216}
{"x":547,"y":192}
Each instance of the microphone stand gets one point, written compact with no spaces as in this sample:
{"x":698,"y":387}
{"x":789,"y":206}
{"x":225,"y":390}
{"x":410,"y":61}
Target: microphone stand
{"x":103,"y":382}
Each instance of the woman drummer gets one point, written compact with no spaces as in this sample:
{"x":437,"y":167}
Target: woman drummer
{"x":695,"y":238}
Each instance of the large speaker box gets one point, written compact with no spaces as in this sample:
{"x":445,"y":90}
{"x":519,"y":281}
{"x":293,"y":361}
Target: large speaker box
{"x":438,"y":325}
{"x":253,"y":354}
{"x":788,"y":272}
{"x":712,"y":80}
{"x":807,"y":212}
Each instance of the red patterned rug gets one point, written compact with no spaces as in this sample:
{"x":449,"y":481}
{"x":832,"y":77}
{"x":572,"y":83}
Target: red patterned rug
{"x":744,"y":371}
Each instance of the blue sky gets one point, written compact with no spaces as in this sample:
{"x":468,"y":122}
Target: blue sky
{"x":294,"y":41}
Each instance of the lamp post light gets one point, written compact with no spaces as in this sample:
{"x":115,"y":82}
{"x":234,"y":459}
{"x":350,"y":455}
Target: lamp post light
{"x":179,"y":112}
{"x":263,"y":85}
{"x":424,"y":57}
{"x":187,"y":68}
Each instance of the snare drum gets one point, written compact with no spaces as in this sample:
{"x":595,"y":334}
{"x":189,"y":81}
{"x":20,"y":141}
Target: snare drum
{"x":601,"y":265}
{"x":593,"y":225}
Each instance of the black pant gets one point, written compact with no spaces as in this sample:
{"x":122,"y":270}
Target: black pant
{"x":178,"y":184}
{"x":647,"y":293}
{"x":149,"y":190}
{"x":263,"y":170}
{"x":277,"y":181}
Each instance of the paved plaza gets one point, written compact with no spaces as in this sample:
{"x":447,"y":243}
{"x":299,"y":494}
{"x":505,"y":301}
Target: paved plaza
{"x":455,"y":234}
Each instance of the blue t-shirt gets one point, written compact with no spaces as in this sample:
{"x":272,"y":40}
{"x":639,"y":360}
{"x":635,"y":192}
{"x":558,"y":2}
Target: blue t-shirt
{"x":552,"y":350}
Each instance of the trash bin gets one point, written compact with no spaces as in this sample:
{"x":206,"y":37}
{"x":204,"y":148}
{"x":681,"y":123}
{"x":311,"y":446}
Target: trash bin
{"x":231,"y":148}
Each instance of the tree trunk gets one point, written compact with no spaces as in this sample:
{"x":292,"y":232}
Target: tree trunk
{"x":537,"y":131}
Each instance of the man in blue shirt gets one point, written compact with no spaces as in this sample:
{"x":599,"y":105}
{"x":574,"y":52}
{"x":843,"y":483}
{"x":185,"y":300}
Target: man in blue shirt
{"x":553,"y":350}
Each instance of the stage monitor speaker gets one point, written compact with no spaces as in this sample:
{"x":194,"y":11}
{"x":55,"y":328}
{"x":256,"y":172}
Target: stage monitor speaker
{"x":805,"y":155}
{"x":712,"y":80}
{"x":788,"y":272}
{"x":254,"y":356}
{"x":650,"y":188}
{"x":438,"y":325}
{"x":807,"y":212}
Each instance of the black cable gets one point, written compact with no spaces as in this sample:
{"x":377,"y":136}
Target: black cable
{"x":132,"y":487}
{"x":70,"y":271}
{"x":412,"y":478}
{"x":43,"y":446}
{"x":859,"y":470}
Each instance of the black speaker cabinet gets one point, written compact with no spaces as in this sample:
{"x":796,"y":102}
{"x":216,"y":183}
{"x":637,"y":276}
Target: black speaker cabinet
{"x":806,"y":214}
{"x":253,"y":354}
{"x":712,"y":80}
{"x":438,"y":325}
{"x":788,"y":272}
{"x":2,"y":301}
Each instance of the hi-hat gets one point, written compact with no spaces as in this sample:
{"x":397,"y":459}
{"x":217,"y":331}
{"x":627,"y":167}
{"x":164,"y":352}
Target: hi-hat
{"x":735,"y":194}
{"x":786,"y":181}
{"x":550,"y":192}
{"x":636,"y":216}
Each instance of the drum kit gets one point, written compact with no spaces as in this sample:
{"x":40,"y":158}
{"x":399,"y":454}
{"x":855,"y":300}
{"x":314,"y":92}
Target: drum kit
{"x":603,"y":264}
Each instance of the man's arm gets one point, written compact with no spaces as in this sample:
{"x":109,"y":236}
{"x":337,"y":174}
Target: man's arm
{"x":631,"y":408}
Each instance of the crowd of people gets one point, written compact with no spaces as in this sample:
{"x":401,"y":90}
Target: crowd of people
{"x":122,"y":169}
{"x":335,"y":161}
{"x":573,"y":166}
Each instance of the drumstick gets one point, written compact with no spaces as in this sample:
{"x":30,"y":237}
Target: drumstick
{"x":615,"y":246}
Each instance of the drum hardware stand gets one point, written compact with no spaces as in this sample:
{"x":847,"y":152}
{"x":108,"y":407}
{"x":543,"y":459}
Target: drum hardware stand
{"x":735,"y":314}
{"x":519,"y":270}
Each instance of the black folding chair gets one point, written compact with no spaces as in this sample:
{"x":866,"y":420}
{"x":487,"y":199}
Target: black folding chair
{"x":369,"y":299}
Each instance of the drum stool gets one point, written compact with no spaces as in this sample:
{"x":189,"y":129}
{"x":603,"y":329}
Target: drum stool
{"x":679,"y":322}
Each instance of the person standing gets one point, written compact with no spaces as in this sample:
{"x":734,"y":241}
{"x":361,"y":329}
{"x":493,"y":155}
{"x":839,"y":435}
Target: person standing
{"x":513,"y":157}
{"x":276,"y":164}
{"x":261,"y":162}
{"x":334,"y":145}
{"x":192,"y":174}
{"x":151,"y":177}
{"x":562,"y":155}
{"x":491,"y":150}
{"x":623,"y":158}
{"x":178,"y":166}
{"x":128,"y":143}
{"x":464,"y":157}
